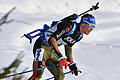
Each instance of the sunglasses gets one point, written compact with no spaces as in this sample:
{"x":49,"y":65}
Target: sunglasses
{"x":91,"y":25}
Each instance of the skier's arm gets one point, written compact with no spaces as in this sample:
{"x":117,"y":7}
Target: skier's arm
{"x":54,"y":47}
{"x":68,"y":53}
{"x":61,"y":30}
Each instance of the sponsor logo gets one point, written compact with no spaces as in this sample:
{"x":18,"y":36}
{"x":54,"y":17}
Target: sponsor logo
{"x":69,"y":39}
{"x":58,"y":35}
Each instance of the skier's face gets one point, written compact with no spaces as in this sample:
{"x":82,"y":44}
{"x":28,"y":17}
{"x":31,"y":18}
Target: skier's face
{"x":86,"y":29}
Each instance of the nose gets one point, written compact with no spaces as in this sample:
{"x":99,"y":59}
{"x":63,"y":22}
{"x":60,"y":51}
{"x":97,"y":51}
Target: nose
{"x":90,"y":29}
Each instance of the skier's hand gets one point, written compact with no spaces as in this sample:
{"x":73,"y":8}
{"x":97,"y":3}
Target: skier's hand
{"x":63,"y":62}
{"x":74,"y":69}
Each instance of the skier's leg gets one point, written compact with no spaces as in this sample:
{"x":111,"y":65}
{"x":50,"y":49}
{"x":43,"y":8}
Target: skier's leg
{"x":36,"y":74}
{"x":56,"y":71}
{"x":38,"y":56}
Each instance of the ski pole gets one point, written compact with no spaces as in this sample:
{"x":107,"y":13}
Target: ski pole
{"x":53,"y":77}
{"x":64,"y":73}
{"x":28,"y":71}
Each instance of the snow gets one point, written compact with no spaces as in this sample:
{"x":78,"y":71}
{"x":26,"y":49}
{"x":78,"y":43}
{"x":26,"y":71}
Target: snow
{"x":97,"y":54}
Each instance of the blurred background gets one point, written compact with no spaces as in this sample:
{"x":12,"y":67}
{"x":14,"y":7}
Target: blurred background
{"x":97,"y":54}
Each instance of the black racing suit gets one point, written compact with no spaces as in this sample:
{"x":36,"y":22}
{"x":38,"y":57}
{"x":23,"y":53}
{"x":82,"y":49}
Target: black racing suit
{"x":65,"y":33}
{"x":46,"y":47}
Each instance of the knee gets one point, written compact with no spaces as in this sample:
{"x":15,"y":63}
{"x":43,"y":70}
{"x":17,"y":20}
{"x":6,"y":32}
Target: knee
{"x":60,"y":76}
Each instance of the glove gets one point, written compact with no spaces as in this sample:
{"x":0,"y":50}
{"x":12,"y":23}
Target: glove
{"x":63,"y":62}
{"x":74,"y":69}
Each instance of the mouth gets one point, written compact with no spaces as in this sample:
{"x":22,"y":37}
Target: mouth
{"x":87,"y":32}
